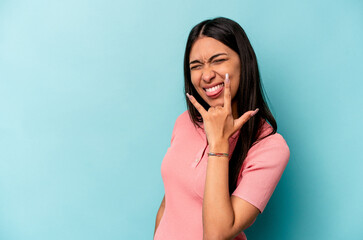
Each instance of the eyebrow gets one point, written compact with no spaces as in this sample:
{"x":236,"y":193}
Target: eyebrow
{"x":210,"y":59}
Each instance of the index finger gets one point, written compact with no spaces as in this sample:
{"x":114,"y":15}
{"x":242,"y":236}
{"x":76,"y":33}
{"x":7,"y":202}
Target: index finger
{"x":196,"y":104}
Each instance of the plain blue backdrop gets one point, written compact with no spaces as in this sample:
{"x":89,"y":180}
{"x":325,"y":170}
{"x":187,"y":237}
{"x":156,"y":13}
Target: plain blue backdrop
{"x":90,"y":90}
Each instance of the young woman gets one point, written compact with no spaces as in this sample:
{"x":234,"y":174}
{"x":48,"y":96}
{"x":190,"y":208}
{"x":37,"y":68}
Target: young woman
{"x":225,"y":157}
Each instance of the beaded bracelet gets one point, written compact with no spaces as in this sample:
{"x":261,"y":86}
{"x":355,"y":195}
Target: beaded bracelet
{"x":218,"y":154}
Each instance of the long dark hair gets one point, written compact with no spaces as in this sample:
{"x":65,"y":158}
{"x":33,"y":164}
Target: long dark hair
{"x":249,"y":96}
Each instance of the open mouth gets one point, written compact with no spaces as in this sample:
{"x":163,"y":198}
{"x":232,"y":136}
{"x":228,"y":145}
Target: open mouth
{"x":214,"y":91}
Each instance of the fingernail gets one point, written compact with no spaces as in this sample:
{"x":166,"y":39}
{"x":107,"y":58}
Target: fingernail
{"x":254,"y":113}
{"x":188,"y":95}
{"x":227,"y":77}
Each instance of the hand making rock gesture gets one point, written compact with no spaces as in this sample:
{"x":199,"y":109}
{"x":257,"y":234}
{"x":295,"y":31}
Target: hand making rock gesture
{"x":219,"y":123}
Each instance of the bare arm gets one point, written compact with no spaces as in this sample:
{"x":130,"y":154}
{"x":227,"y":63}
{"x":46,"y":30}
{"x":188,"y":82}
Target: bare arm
{"x":159,"y":214}
{"x":224,"y":217}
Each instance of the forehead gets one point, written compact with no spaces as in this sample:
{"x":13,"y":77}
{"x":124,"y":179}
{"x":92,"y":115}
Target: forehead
{"x":205,"y":47}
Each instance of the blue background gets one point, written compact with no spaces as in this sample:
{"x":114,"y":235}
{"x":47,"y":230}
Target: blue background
{"x":90,"y":90}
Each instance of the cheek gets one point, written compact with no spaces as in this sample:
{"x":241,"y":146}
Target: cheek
{"x":194,"y":78}
{"x":197,"y":87}
{"x":234,"y":88}
{"x":194,"y":84}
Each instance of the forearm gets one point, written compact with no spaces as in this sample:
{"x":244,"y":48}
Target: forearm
{"x":218,"y":214}
{"x":158,"y":217}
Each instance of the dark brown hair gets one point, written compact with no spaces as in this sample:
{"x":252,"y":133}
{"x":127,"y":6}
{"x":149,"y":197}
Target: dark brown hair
{"x":249,"y":96}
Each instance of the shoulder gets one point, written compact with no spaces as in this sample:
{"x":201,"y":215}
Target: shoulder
{"x":275,"y":139}
{"x":182,"y":118}
{"x":272,"y":149}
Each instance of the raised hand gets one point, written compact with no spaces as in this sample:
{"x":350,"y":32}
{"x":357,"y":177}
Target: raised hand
{"x":218,"y":121}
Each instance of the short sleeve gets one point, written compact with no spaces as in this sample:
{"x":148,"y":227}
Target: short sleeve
{"x":262,"y":170}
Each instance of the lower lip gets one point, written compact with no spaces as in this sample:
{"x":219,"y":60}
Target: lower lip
{"x":216,"y":93}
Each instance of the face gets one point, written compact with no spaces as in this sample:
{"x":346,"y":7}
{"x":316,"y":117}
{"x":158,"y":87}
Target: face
{"x":210,"y":60}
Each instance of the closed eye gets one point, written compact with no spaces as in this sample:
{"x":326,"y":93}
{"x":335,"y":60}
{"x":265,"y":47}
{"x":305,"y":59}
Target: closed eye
{"x":216,"y":61}
{"x":220,"y":60}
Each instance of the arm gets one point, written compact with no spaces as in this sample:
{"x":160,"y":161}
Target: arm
{"x":159,"y":214}
{"x":224,"y":217}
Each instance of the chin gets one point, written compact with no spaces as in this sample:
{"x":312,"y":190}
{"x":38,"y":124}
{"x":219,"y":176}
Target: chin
{"x":216,"y":104}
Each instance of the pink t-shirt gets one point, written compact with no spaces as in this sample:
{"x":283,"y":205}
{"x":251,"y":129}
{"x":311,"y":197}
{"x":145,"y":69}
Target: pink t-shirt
{"x":184,"y":169}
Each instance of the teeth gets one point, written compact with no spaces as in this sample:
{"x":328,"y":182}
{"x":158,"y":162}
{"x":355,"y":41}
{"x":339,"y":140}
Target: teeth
{"x":214,"y":88}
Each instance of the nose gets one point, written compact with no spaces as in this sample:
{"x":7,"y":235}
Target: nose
{"x":208,"y":75}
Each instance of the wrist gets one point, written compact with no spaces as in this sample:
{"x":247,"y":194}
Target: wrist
{"x":221,"y":146}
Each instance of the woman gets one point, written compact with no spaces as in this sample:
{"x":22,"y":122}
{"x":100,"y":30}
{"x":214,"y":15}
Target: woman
{"x":225,"y":159}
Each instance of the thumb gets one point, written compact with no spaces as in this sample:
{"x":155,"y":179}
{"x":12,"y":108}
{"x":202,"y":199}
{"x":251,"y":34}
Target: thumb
{"x":244,"y":118}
